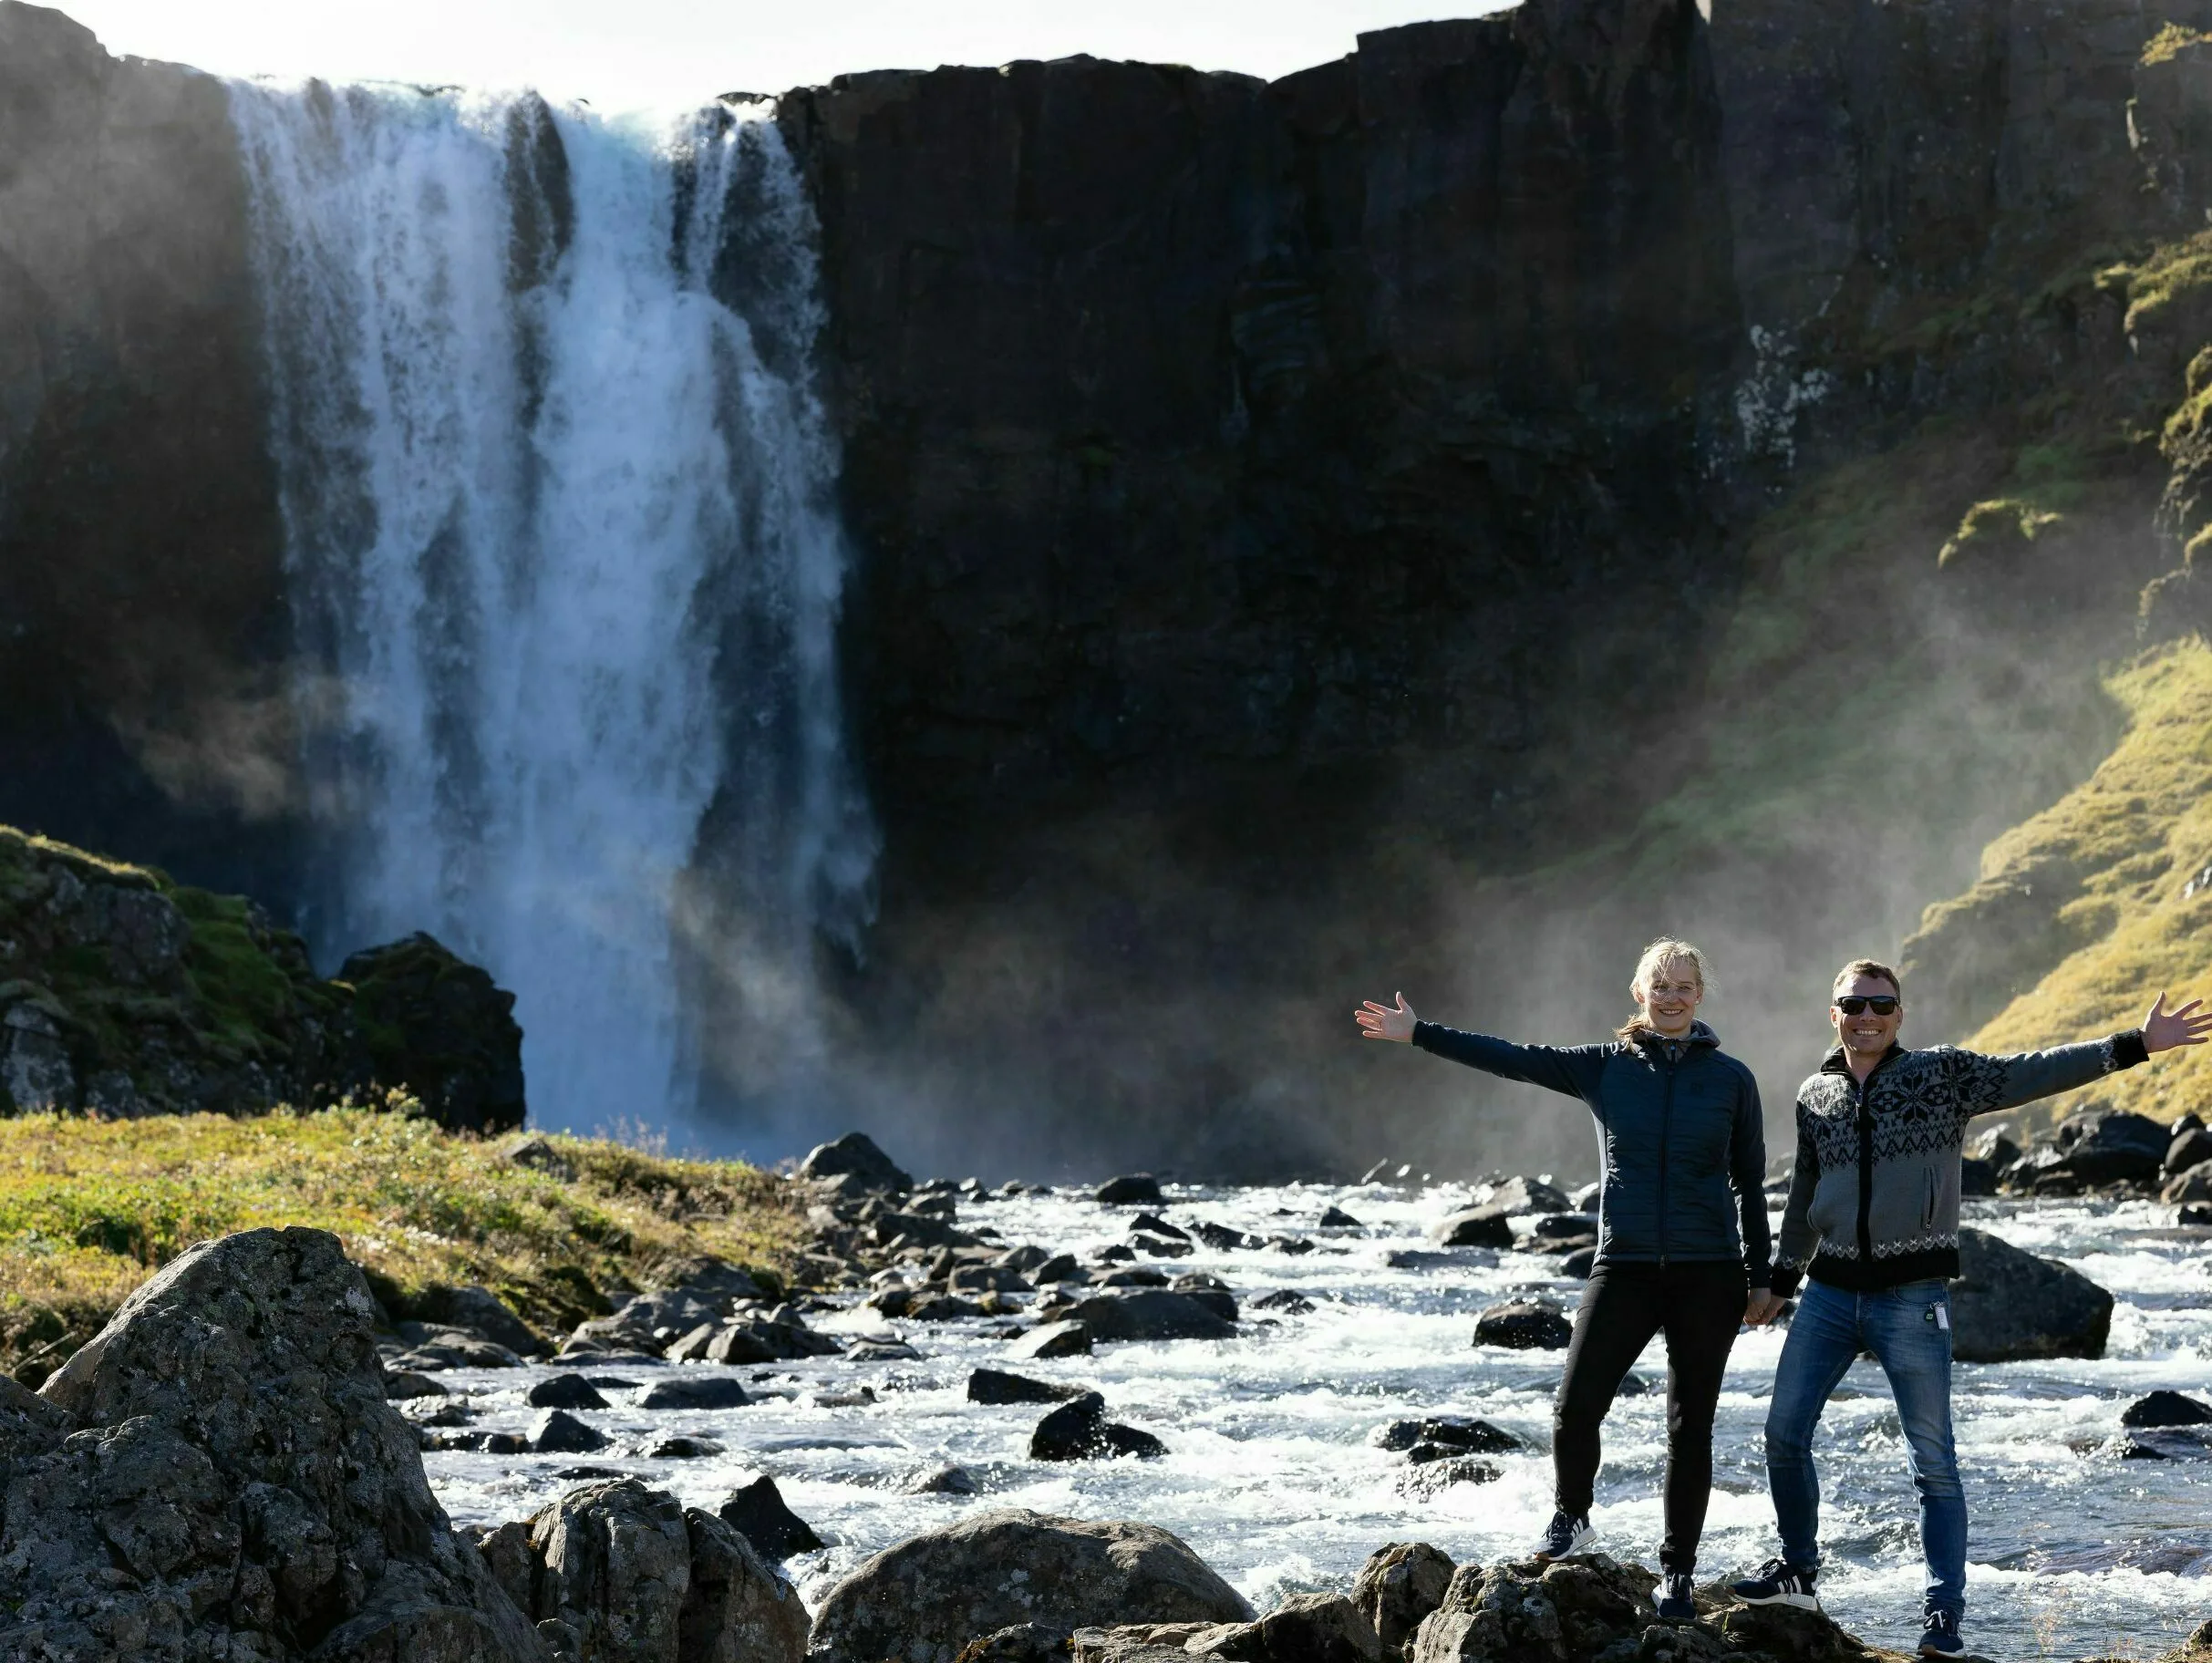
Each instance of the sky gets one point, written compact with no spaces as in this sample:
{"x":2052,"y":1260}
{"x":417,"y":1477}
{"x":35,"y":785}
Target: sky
{"x":638,"y":54}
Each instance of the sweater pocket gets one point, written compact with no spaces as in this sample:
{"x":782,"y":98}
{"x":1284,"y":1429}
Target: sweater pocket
{"x":1929,"y":1200}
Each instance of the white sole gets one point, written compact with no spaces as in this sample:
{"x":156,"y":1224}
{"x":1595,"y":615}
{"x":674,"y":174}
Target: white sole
{"x":1801,"y":1602}
{"x":1584,"y":1541}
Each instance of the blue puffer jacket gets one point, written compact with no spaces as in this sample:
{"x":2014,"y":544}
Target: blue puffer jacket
{"x":1677,"y":1130}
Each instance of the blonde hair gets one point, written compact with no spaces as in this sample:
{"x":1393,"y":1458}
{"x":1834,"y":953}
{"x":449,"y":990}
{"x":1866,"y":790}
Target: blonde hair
{"x":1661,"y":953}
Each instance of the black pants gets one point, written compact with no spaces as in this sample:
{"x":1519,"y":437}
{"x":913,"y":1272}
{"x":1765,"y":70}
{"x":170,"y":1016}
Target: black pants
{"x":1700,"y":1307}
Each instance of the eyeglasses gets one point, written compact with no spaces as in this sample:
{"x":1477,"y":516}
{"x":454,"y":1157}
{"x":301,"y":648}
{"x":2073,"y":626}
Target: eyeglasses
{"x":1881,"y":1004}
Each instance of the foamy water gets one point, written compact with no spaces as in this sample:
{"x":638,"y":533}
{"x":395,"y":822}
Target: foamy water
{"x":1270,"y":1476}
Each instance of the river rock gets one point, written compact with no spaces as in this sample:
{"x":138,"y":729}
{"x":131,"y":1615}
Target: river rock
{"x":2187,"y":1148}
{"x":923,"y":1599}
{"x":1220,"y":1237}
{"x":1579,"y":1264}
{"x":1023,"y":1642}
{"x":939,"y":1481}
{"x":758,"y":1513}
{"x":683,"y":1447}
{"x":1977,"y":1177}
{"x":478,"y":1310}
{"x":1079,"y":1430}
{"x":1521,"y":1614}
{"x":1152,"y":1223}
{"x":1304,"y":1629}
{"x":2167,"y":1443}
{"x":2007,"y":1305}
{"x":240,"y":1480}
{"x":1398,"y":1586}
{"x":1484,"y":1226}
{"x":1462,"y":1433}
{"x":1060,"y":1267}
{"x":1151,"y":1313}
{"x":1288,"y":1301}
{"x":1065,"y":1337}
{"x":558,"y":1432}
{"x":2191,"y":1185}
{"x":565,"y":1392}
{"x":1133,"y":1189}
{"x":708,"y":1391}
{"x":1432,"y":1479}
{"x":2106,"y":1146}
{"x":1524,"y":1325}
{"x":994,"y":1386}
{"x":402,"y":1384}
{"x":430,"y":1023}
{"x":1528,"y":1195}
{"x":1337,"y":1218}
{"x":856,"y":1157}
{"x":2166,"y":1409}
{"x":738,"y":1608}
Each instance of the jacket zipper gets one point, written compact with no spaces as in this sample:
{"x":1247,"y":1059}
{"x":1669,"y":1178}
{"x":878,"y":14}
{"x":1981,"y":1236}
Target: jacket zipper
{"x":1666,"y":1136}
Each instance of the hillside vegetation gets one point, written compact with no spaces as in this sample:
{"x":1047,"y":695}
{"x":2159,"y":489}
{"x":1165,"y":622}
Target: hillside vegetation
{"x":89,"y":1208}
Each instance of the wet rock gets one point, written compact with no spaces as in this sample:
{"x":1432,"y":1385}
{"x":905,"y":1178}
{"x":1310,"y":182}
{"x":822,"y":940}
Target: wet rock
{"x":1060,"y":1267}
{"x":2195,"y":1217}
{"x":2106,"y":1146}
{"x":709,"y":1391}
{"x":758,"y":1513}
{"x":1524,"y":1325}
{"x":993,"y":1385}
{"x":1304,"y":1629}
{"x":1293,"y":1244}
{"x":1564,"y":1229}
{"x":1023,"y":1643}
{"x":1460,"y":1433}
{"x":2166,"y":1409}
{"x":925,"y":1598}
{"x":2167,"y":1443}
{"x":238,"y":1480}
{"x":430,"y":1023}
{"x":738,"y":1609}
{"x":1220,"y":1237}
{"x":1337,"y":1218}
{"x":713,"y":1281}
{"x":1066,"y":1337}
{"x":2192,"y":1185}
{"x":1161,"y":1247}
{"x":856,"y":1157}
{"x":2187,"y":1148}
{"x":1398,"y":1586}
{"x":1483,"y":1227}
{"x":451,"y":1348}
{"x":565,"y":1392}
{"x":894,"y":1230}
{"x":683,"y":1447}
{"x":1579,"y":1264}
{"x":1152,"y":1223}
{"x":1079,"y":1430}
{"x":1134,"y":1189}
{"x":1115,"y":1253}
{"x":1977,"y":1177}
{"x":1517,"y":1613}
{"x":404,"y":1383}
{"x":940,"y":1480}
{"x":1995,"y":1147}
{"x":1134,"y":1278}
{"x":1527,"y":1196}
{"x":882,"y":1351}
{"x":943,"y":1308}
{"x":1151,"y":1313}
{"x":2008,"y":1304}
{"x":1287,"y":1301}
{"x":1432,"y":1479}
{"x":558,"y":1432}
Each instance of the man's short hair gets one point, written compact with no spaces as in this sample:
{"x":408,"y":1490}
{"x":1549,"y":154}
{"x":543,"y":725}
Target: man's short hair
{"x":1867,"y":967}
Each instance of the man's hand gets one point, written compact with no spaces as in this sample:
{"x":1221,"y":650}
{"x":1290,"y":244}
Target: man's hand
{"x":1380,"y":1022}
{"x":1762,"y":1306}
{"x":2164,"y":1029}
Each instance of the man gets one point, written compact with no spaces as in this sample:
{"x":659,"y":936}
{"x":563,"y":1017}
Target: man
{"x":1872,"y":1222}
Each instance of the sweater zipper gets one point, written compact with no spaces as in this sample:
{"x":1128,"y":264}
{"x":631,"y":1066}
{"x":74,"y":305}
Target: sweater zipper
{"x":1666,"y":1134}
{"x":1865,"y":1125}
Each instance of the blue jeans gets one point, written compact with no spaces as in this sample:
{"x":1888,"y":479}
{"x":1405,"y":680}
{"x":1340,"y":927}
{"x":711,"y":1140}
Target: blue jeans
{"x":1909,"y":1330}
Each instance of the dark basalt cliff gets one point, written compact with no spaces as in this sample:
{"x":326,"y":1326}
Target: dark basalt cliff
{"x":1277,"y":507}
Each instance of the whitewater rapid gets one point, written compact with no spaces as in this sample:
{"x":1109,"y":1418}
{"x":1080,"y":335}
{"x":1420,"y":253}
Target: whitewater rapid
{"x":563,"y":562}
{"x":1271,"y":1477}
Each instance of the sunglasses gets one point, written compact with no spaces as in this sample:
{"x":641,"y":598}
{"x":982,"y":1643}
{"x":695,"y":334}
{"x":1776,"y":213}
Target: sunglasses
{"x":1881,"y":1004}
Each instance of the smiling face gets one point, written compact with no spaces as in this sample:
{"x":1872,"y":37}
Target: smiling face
{"x":1668,"y":993}
{"x":1868,"y":1033}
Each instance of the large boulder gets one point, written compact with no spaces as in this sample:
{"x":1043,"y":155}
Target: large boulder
{"x":1524,"y":1325}
{"x":1399,"y":1586}
{"x":1150,"y":1313}
{"x":2189,"y":1146}
{"x":1484,"y":1226}
{"x":1304,"y":1629}
{"x":2106,"y":1146}
{"x":428,"y":1022}
{"x":857,"y":1159}
{"x":922,"y":1600}
{"x":616,"y":1573}
{"x":2008,"y":1304}
{"x":240,"y":1487}
{"x":760,"y":1515}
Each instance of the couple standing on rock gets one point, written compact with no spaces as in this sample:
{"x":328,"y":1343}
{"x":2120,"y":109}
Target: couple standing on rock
{"x":1871,"y":1223}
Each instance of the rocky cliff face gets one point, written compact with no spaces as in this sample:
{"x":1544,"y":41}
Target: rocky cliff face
{"x":1284,"y":510}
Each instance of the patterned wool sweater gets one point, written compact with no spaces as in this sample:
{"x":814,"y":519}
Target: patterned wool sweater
{"x":1874,"y":1199}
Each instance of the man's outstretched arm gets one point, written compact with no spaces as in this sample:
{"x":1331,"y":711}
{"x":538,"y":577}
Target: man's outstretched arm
{"x":2006,"y":1082}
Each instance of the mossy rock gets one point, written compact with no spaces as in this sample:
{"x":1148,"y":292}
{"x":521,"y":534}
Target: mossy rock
{"x":429,"y":1024}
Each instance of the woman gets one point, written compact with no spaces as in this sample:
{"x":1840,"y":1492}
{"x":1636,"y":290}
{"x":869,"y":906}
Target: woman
{"x":1679,"y":1124}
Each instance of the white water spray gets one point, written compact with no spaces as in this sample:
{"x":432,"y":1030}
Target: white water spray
{"x":565,"y":562}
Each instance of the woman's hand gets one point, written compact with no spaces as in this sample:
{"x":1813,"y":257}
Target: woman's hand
{"x":1380,"y":1022}
{"x":1762,"y":1306}
{"x":2164,"y":1029}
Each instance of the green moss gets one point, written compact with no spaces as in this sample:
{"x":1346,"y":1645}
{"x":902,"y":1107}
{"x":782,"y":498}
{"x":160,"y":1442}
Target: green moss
{"x":1997,"y":524}
{"x":2170,"y":42}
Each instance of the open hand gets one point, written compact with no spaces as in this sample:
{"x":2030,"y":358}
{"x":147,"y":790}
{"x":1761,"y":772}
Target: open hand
{"x":1762,"y":1306}
{"x":2164,"y":1029}
{"x":1380,"y":1022}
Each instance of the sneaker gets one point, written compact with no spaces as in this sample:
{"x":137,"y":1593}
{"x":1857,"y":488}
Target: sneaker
{"x":1679,"y":1604}
{"x":1779,"y":1583}
{"x":1567,"y":1534}
{"x":1941,"y":1638}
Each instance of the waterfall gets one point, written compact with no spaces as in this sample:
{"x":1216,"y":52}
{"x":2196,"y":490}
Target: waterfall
{"x":564,"y":565}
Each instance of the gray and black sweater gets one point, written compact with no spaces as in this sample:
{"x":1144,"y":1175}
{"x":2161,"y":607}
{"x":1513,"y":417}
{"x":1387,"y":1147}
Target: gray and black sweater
{"x":1874,"y":1200}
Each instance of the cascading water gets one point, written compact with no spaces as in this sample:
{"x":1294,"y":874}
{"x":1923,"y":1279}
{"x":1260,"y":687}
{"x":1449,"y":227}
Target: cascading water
{"x":565,"y":562}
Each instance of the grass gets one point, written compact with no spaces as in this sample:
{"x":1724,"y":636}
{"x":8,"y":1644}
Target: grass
{"x":2134,"y":838}
{"x":89,"y":1208}
{"x":2170,"y":42}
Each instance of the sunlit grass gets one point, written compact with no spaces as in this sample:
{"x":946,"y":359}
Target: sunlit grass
{"x":89,"y":1208}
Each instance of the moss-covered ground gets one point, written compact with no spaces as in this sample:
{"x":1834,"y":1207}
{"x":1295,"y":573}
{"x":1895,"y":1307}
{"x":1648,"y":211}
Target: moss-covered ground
{"x":89,"y":1208}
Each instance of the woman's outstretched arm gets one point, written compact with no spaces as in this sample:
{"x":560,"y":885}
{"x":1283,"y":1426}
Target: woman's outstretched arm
{"x":1574,"y":1070}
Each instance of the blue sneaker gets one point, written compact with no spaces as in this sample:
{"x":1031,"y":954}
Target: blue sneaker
{"x":1941,"y":1639}
{"x":1679,"y":1605}
{"x":1567,"y":1534}
{"x":1778,"y":1583}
